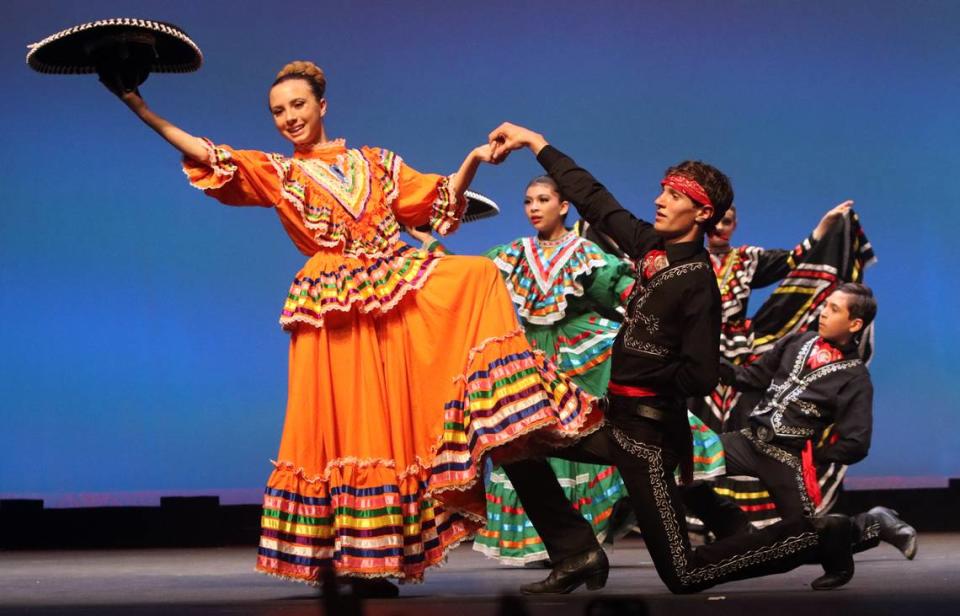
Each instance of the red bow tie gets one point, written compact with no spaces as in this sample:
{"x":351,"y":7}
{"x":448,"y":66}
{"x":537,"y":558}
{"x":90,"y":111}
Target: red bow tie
{"x":823,"y":353}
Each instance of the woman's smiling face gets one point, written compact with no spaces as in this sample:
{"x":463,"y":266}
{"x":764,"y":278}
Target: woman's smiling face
{"x":297,"y":113}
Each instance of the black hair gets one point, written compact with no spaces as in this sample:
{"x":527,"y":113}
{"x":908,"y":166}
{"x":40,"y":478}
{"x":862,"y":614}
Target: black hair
{"x":714,"y":182}
{"x":546,"y":180}
{"x":861,"y":304}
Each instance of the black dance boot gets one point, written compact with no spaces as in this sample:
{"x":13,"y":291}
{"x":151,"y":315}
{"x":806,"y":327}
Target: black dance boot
{"x":589,"y":568}
{"x":836,"y":550}
{"x":895,"y":531}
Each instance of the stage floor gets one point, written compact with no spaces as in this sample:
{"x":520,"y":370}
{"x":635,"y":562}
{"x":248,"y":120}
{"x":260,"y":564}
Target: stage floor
{"x":190,"y":582}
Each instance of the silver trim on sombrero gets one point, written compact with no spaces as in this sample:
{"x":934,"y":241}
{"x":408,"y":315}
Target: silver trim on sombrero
{"x":492,"y":208}
{"x":157,"y":26}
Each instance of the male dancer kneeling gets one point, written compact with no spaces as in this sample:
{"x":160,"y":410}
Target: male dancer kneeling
{"x":812,"y":382}
{"x":665,"y":352}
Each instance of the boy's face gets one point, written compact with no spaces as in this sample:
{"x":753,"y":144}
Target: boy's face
{"x":835,"y":322}
{"x":678,"y":216}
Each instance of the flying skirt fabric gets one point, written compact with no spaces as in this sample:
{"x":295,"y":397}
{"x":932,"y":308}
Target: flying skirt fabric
{"x":388,"y":420}
{"x":407,"y":369}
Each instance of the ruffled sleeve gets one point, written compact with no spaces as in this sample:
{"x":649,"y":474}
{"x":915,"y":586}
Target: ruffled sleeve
{"x":496,"y":251}
{"x":421,"y":198}
{"x":611,"y":284}
{"x":237,"y":177}
{"x":510,"y":260}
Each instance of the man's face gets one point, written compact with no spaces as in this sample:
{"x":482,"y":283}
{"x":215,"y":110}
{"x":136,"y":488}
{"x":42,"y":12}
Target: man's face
{"x":677,"y":215}
{"x":835,"y":322}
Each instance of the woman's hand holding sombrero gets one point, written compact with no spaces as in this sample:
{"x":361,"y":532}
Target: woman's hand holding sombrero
{"x":190,"y":146}
{"x":123,"y":52}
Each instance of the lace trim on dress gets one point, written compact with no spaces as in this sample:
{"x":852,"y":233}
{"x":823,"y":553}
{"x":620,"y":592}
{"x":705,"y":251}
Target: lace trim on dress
{"x":447,"y":209}
{"x":539,"y":286}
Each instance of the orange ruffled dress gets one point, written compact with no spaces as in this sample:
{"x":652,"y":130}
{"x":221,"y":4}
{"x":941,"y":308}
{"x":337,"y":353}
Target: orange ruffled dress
{"x":406,"y":367}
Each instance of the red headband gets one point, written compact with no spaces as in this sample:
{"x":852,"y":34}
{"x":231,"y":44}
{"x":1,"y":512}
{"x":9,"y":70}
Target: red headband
{"x":690,"y":188}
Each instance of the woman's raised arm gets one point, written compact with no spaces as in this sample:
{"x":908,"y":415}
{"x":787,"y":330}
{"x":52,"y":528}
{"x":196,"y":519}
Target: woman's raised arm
{"x":192,"y":147}
{"x":460,"y":181}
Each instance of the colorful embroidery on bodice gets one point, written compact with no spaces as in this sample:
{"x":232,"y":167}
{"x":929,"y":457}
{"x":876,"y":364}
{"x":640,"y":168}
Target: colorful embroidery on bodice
{"x":347,"y":201}
{"x":547,"y":260}
{"x":336,"y":204}
{"x":540,"y":275}
{"x":347,"y":180}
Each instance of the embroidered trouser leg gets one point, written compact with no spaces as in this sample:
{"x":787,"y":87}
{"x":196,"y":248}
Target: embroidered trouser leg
{"x":647,"y":464}
{"x":780,"y":472}
{"x":780,"y":475}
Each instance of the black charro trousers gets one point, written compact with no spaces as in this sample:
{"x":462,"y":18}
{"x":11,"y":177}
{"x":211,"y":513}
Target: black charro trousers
{"x":647,"y":453}
{"x":781,"y":472}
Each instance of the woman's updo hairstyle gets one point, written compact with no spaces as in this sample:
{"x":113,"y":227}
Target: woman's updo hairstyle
{"x":309,"y":72}
{"x":549,"y":182}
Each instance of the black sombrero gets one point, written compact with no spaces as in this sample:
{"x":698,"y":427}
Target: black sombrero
{"x":127,"y":48}
{"x":479,"y":207}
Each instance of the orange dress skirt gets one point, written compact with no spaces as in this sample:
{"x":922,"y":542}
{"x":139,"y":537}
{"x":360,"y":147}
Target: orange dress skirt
{"x":406,"y":369}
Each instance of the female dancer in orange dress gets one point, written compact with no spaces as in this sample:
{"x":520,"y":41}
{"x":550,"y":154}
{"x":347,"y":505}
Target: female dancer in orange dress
{"x":406,"y":368}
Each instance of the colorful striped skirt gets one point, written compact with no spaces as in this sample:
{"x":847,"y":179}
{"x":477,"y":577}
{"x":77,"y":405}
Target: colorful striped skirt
{"x":389,"y":421}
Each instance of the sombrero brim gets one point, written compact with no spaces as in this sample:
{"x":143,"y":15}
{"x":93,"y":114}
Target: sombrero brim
{"x":479,"y":207}
{"x":68,"y":51}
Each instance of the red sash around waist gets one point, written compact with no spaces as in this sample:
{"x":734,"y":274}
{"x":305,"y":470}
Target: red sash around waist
{"x":630,"y":391}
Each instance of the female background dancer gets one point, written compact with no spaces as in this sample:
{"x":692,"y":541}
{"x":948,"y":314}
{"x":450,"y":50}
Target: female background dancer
{"x":405,"y":368}
{"x":561,"y":285}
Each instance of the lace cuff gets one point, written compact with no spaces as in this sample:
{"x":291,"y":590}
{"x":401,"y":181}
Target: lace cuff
{"x":447,"y":209}
{"x":215,"y":173}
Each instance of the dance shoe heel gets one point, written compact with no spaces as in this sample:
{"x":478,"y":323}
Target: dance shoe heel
{"x":598,"y":581}
{"x":590,"y":569}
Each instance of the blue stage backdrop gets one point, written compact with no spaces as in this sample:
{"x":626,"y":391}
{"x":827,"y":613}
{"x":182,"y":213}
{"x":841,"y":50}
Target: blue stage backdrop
{"x":141,"y":353}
